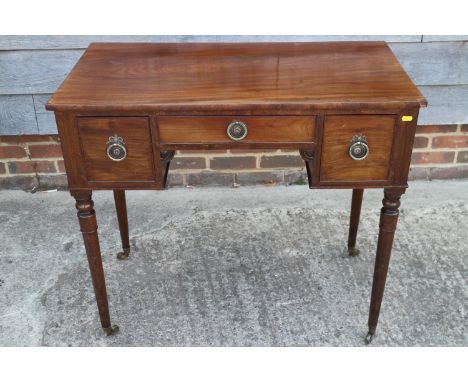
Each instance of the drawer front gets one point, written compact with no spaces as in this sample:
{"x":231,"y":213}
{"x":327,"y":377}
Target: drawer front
{"x":293,"y":129}
{"x":342,"y":132}
{"x":133,"y":162}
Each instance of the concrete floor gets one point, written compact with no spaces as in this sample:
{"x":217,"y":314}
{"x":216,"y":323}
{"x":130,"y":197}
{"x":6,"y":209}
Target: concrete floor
{"x":232,"y":267}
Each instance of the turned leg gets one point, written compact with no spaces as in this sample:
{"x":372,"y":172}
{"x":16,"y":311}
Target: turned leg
{"x":356,"y":203}
{"x":88,"y":225}
{"x":388,"y":223}
{"x":121,"y":207}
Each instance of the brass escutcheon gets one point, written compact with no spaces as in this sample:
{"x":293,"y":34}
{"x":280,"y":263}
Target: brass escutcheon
{"x":116,"y":150}
{"x":237,"y":130}
{"x":358,"y":150}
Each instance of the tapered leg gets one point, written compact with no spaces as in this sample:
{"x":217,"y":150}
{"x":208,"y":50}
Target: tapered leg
{"x":388,"y":223}
{"x":88,"y":225}
{"x":354,"y":221}
{"x":121,"y":207}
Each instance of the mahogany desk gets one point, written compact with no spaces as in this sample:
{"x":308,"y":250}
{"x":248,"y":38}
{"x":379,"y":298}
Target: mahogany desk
{"x":348,"y":107}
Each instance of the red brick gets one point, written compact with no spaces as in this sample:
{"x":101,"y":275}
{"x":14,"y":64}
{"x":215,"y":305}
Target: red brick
{"x":31,"y":167}
{"x":457,"y":172}
{"x":420,"y":142}
{"x":29,"y":138}
{"x":450,"y":141}
{"x":430,"y":129}
{"x":45,"y":151}
{"x":188,"y":163}
{"x":175,"y":180}
{"x":260,"y":177}
{"x":418,"y":173}
{"x":12,"y":152}
{"x":61,"y":166}
{"x":2,"y":168}
{"x":47,"y":182}
{"x":21,"y":182}
{"x":277,"y":161}
{"x":462,"y":157}
{"x":296,"y":177}
{"x":210,"y":179}
{"x":432,"y":157}
{"x":237,"y":163}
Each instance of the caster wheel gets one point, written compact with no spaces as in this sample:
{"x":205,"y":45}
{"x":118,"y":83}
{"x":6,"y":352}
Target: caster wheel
{"x":369,"y":338}
{"x":111,"y":330}
{"x":353,"y":251}
{"x":124,"y":255}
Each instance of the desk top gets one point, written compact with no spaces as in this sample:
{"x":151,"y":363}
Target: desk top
{"x":234,"y":76}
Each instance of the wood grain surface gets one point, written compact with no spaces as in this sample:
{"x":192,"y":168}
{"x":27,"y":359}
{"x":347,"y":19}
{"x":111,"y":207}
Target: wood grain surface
{"x":236,"y":76}
{"x":337,"y":165}
{"x":213,"y":129}
{"x":137,"y":166}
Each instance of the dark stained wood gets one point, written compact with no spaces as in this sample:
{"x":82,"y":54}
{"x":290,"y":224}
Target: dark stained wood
{"x":231,"y":76}
{"x":88,"y":225}
{"x":264,"y":129}
{"x":337,"y":165}
{"x":311,"y":97}
{"x":388,"y":222}
{"x":356,"y":203}
{"x":121,"y":209}
{"x":70,"y":142}
{"x":94,"y":134}
{"x":403,"y":146}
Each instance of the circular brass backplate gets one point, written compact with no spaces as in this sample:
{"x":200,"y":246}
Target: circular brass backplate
{"x":237,"y":130}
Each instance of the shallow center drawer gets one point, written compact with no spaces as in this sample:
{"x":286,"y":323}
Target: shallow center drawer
{"x":264,"y":129}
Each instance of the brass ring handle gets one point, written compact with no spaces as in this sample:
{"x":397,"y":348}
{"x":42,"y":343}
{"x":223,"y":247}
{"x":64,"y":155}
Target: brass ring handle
{"x":237,"y":130}
{"x":116,"y":149}
{"x":359,"y":149}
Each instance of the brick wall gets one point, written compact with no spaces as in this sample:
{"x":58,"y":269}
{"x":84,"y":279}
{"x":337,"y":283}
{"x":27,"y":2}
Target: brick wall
{"x":35,"y":161}
{"x":31,"y":161}
{"x":440,"y":152}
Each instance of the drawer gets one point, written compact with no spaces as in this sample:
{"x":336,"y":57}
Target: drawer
{"x":132,"y":163}
{"x":287,"y":129}
{"x":340,"y":132}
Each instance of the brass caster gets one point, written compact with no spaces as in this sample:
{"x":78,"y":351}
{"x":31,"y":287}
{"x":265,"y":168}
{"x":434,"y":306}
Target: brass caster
{"x":124,"y":255}
{"x":111,"y":330}
{"x":369,"y":338}
{"x":353,"y":251}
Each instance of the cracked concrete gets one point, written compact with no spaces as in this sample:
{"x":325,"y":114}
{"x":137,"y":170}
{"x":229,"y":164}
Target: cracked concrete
{"x":231,"y":267}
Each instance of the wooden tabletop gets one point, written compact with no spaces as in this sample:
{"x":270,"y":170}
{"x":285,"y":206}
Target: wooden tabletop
{"x":233,"y":76}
